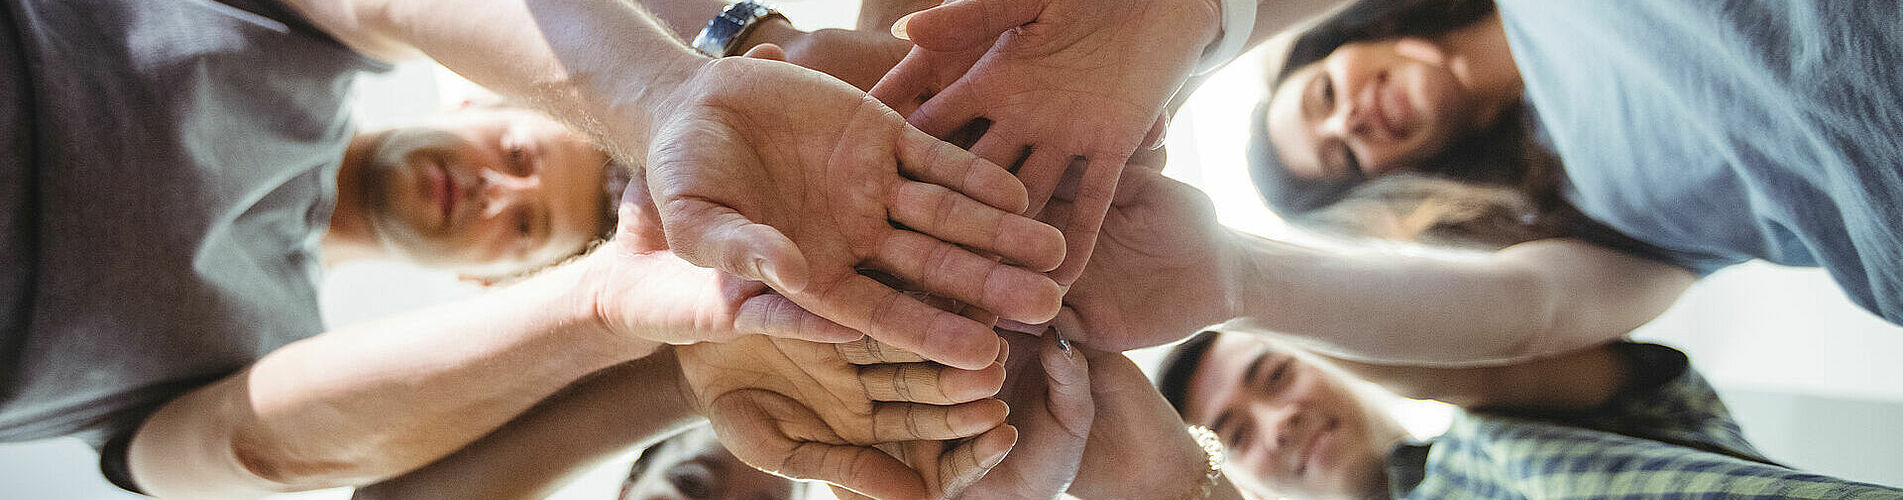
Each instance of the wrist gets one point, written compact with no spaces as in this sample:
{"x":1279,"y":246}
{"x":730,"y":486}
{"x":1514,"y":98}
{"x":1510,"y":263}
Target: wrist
{"x":1242,"y":275}
{"x":775,"y":30}
{"x":590,"y":289}
{"x":631,"y":101}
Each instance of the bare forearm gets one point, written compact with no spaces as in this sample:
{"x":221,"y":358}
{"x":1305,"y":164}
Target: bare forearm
{"x":605,"y":66}
{"x":366,"y":402}
{"x":1530,"y":300}
{"x":621,"y":408}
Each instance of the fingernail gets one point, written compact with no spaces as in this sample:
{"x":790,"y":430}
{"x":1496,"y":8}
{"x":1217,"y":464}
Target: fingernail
{"x":994,"y":459}
{"x":768,"y":273}
{"x":898,"y":27}
{"x":1063,"y":344}
{"x":1159,"y":141}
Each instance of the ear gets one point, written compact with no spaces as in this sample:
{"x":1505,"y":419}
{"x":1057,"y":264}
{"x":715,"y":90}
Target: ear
{"x":767,"y":51}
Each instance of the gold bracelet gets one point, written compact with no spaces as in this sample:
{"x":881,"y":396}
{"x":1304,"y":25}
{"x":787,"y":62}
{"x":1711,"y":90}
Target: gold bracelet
{"x":1212,"y":449}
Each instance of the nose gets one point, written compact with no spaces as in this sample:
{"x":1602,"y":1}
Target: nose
{"x":501,"y":190}
{"x":1282,"y":421}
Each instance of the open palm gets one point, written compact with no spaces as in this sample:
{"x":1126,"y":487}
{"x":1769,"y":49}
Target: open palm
{"x":784,"y":175}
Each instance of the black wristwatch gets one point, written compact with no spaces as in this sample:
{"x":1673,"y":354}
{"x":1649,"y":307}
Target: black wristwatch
{"x":723,"y":34}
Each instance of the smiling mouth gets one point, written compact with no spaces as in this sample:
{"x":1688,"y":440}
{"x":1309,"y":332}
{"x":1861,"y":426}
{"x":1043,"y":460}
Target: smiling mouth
{"x":443,"y":190}
{"x":1312,"y":448}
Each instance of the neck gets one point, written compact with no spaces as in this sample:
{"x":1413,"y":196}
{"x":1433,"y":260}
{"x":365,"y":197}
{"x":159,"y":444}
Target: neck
{"x":1480,"y":58}
{"x":351,"y":236}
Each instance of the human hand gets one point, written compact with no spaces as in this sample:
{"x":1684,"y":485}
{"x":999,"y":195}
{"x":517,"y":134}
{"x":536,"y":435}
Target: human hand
{"x":1050,"y":399}
{"x":860,"y":57}
{"x":780,"y":174}
{"x":1138,"y":447}
{"x":1068,"y":88}
{"x":643,"y":292}
{"x":1163,"y":268}
{"x":811,"y":411}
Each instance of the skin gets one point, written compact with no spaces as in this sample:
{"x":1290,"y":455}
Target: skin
{"x":738,"y":186}
{"x":1373,"y":108}
{"x":694,"y":466}
{"x":527,"y":192}
{"x":1290,"y":423}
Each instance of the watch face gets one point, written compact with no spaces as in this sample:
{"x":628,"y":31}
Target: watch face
{"x":722,"y":30}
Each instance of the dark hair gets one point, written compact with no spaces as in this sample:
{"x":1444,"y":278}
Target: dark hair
{"x":1180,"y":365}
{"x":1507,"y":185}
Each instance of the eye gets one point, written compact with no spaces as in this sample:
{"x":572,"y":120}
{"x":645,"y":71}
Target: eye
{"x":518,"y":160}
{"x":1351,"y":165}
{"x":523,"y":226}
{"x":1328,"y":92}
{"x":1277,"y":377}
{"x":692,"y":480}
{"x":1243,"y":435}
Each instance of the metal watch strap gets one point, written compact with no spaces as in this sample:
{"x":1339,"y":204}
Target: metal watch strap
{"x":724,"y":32}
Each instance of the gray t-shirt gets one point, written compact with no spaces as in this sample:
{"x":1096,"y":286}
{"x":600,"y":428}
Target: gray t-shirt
{"x":1727,"y":131}
{"x":166,"y":171}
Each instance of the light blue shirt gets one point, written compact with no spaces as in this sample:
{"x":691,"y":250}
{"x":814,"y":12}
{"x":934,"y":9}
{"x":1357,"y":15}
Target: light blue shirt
{"x":1726,"y":131}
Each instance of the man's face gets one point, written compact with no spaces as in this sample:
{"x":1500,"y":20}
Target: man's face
{"x":485,"y":192}
{"x":693,"y":466}
{"x":1289,"y":424}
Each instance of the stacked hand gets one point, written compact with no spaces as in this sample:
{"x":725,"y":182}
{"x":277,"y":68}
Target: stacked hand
{"x":1162,"y":269}
{"x":815,"y":411}
{"x":783,"y":175}
{"x":1068,"y":88}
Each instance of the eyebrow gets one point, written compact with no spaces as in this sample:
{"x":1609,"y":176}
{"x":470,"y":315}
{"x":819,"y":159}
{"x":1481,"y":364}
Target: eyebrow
{"x":1255,"y":368}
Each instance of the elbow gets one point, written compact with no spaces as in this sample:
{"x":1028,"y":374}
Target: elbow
{"x":292,"y":470}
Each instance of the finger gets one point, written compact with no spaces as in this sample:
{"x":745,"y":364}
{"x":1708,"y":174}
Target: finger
{"x":1067,"y":372}
{"x":767,"y":51}
{"x":938,"y":162}
{"x":920,"y":76}
{"x":637,"y":222}
{"x":964,"y":24}
{"x":903,"y":322}
{"x":1153,"y":139}
{"x":947,"y":110}
{"x":946,"y":215}
{"x":1043,"y":170}
{"x":1096,"y":187}
{"x":753,"y":423}
{"x":866,"y":351}
{"x":967,"y":463}
{"x":774,"y":314}
{"x":1002,"y":148}
{"x":715,"y":235}
{"x":930,"y":383}
{"x":908,"y":84}
{"x":922,"y":422}
{"x":945,"y":269}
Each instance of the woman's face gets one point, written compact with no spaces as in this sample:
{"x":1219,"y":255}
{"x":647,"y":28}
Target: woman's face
{"x":1369,"y":109}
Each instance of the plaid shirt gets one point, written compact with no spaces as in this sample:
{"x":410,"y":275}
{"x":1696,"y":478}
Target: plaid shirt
{"x":1666,"y":436}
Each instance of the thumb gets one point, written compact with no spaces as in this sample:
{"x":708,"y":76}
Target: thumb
{"x":964,"y":24}
{"x":717,"y":236}
{"x":636,"y":221}
{"x":767,"y":51}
